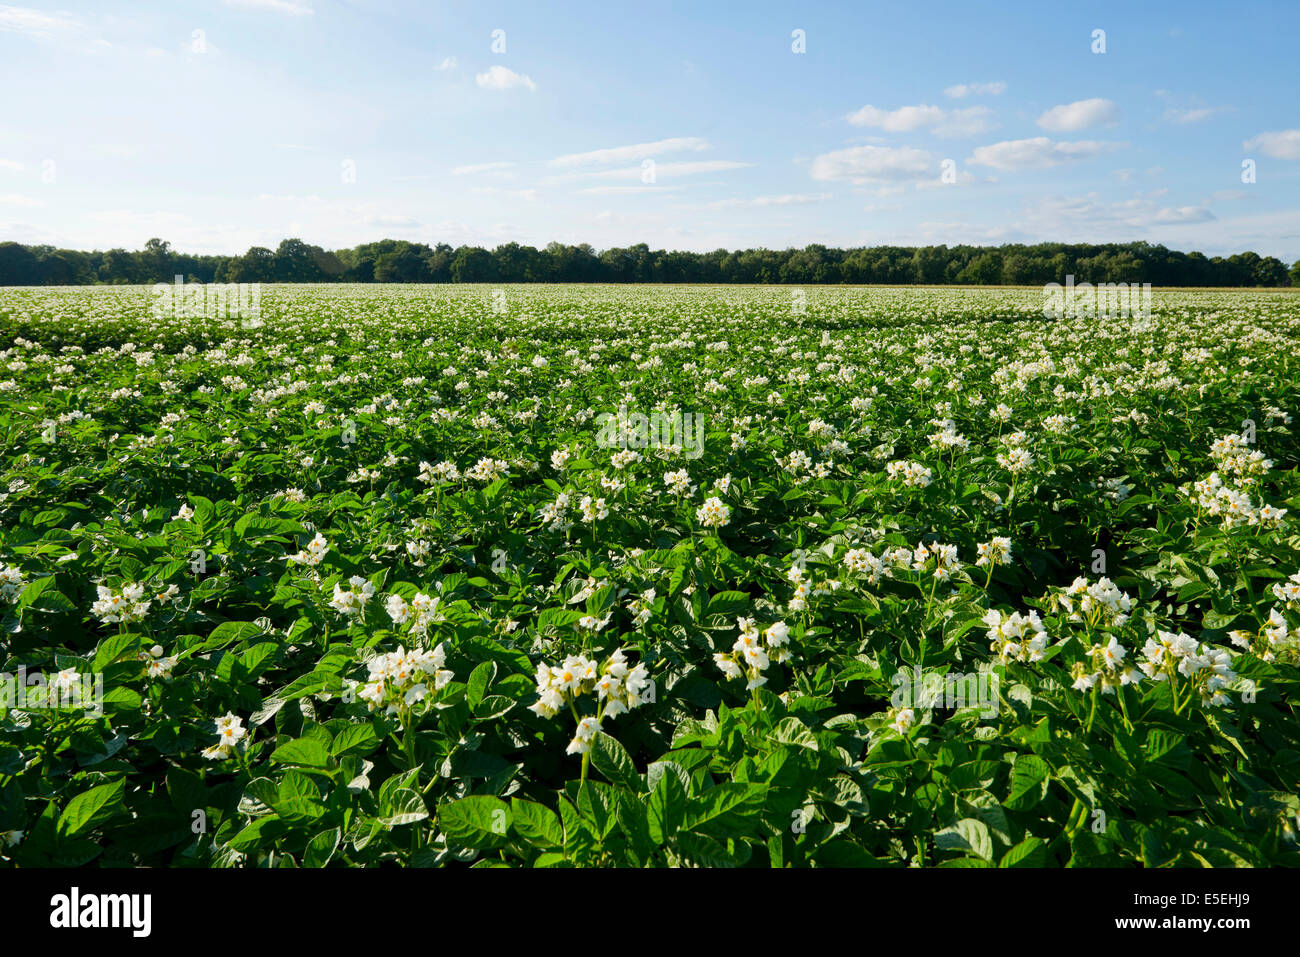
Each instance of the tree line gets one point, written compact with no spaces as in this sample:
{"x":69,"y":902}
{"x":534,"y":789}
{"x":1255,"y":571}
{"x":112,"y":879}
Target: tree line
{"x":395,"y":260}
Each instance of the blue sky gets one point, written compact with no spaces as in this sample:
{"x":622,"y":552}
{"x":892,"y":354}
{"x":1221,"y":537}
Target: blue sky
{"x":220,"y":124}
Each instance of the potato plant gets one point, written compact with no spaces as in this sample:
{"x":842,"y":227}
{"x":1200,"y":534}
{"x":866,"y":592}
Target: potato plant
{"x":438,"y":576}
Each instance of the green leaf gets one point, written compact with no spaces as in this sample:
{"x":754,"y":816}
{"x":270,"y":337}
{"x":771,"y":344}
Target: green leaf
{"x":1029,"y":779}
{"x":321,"y":848}
{"x":536,"y":823}
{"x":612,"y":760}
{"x":90,"y":808}
{"x":305,"y":752}
{"x":355,"y":739}
{"x":479,"y":821}
{"x":968,"y":835}
{"x":478,"y":682}
{"x":666,"y":808}
{"x":1031,"y":852}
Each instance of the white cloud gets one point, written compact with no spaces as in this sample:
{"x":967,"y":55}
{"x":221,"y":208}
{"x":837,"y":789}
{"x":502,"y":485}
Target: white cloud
{"x":1280,"y":144}
{"x":1080,"y":115}
{"x":1038,"y":152}
{"x":527,"y":194}
{"x":17,"y":199}
{"x":671,"y":169}
{"x":638,"y":151}
{"x":448,"y":63}
{"x":968,"y":122}
{"x":275,"y":6}
{"x":503,"y":78}
{"x":627,"y":190}
{"x":961,"y":90}
{"x":34,"y":22}
{"x":872,"y":164}
{"x":902,"y":120}
{"x":10,"y":164}
{"x":964,"y":122}
{"x":789,"y":199}
{"x":480,"y":168}
{"x":1192,"y":114}
{"x":1184,"y":214}
{"x":1071,"y":218}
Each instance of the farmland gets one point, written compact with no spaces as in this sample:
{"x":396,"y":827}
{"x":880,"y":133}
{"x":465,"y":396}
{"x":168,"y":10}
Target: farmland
{"x":445,"y":576}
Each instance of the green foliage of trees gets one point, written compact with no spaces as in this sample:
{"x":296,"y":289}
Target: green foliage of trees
{"x":396,"y":260}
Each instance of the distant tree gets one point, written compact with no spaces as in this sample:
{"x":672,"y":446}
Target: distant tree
{"x":407,"y":263}
{"x":18,"y":266}
{"x":297,"y":261}
{"x":256,"y":265}
{"x":985,"y":270}
{"x":156,"y":261}
{"x":1269,"y":272}
{"x":473,"y":264}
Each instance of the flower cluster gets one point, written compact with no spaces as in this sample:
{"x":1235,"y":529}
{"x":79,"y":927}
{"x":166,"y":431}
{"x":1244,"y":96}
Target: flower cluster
{"x":861,"y":562}
{"x":351,"y":601}
{"x":679,"y":483}
{"x":1099,"y":604}
{"x":617,"y":686}
{"x":487,"y":470}
{"x":937,"y":558}
{"x":1209,"y":669}
{"x":230,"y":732}
{"x":1016,"y":460}
{"x":420,"y":612}
{"x":124,"y":605}
{"x":401,"y":678}
{"x":11,"y":582}
{"x":1016,"y":637}
{"x":1105,"y":668}
{"x":1276,"y":639}
{"x":1232,"y":505}
{"x":713,"y":513}
{"x":995,"y":552}
{"x":913,"y":474}
{"x":313,"y":553}
{"x":749,"y":656}
{"x":159,"y":665}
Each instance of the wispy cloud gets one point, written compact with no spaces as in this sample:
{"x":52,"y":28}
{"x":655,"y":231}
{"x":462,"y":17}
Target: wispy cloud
{"x":970,"y":121}
{"x":960,"y":90}
{"x":671,"y":169}
{"x":1069,"y":117}
{"x":1183,"y":214}
{"x":503,"y":78}
{"x":1193,"y":114}
{"x":758,"y":202}
{"x":1280,"y":144}
{"x":290,"y":7}
{"x":35,"y":22}
{"x":481,"y":168}
{"x":627,"y":190}
{"x":622,"y":154}
{"x":1038,"y":152}
{"x":871,"y":164}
